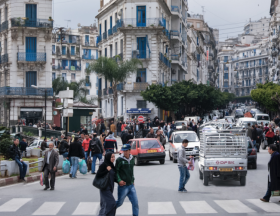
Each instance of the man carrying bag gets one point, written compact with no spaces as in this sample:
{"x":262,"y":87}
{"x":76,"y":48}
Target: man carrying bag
{"x":96,"y":149}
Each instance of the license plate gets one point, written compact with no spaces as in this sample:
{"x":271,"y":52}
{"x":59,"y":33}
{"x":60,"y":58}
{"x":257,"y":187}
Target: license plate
{"x":189,"y":153}
{"x":225,"y":169}
{"x":151,"y":151}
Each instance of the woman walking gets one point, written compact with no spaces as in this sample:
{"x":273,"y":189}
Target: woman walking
{"x":269,"y":136}
{"x":107,"y":200}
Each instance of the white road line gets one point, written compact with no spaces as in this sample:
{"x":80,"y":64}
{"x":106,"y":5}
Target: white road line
{"x":266,"y":206}
{"x":234,"y":206}
{"x":196,"y":207}
{"x":38,"y":181}
{"x":87,"y":208}
{"x":161,"y":208}
{"x":49,"y":208}
{"x":14,"y":204}
{"x":125,"y":209}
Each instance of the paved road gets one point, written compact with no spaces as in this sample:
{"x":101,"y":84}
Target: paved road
{"x":156,"y":186}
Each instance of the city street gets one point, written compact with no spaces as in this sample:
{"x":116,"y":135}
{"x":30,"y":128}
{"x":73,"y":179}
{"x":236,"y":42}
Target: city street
{"x":156,"y":187}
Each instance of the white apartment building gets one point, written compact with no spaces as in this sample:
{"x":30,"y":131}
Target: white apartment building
{"x":153,"y":31}
{"x":26,"y":31}
{"x":259,"y":27}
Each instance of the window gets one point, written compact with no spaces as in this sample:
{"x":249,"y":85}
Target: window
{"x":31,"y":14}
{"x":141,"y":75}
{"x":53,"y":61}
{"x":87,"y":92}
{"x":226,"y":76}
{"x":63,"y":50}
{"x":53,"y":49}
{"x":73,"y":77}
{"x":105,"y":52}
{"x":65,"y":65}
{"x":141,"y":47}
{"x":72,"y":50}
{"x":53,"y":76}
{"x":225,"y":58}
{"x":31,"y":48}
{"x":141,"y":104}
{"x":111,"y":51}
{"x":133,"y":145}
{"x":116,"y":18}
{"x":64,"y":76}
{"x":141,"y":16}
{"x":31,"y":78}
{"x":111,"y":22}
{"x":116,"y":48}
{"x":87,"y":40}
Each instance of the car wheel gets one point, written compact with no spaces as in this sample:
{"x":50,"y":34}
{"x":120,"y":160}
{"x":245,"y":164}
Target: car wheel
{"x":205,"y":180}
{"x":170,"y":157}
{"x":242,"y":180}
{"x":136,"y":161}
{"x":174,"y":160}
{"x":200,"y":175}
{"x":162,"y":161}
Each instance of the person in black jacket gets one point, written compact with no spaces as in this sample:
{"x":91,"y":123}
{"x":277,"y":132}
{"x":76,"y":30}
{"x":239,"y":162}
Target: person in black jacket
{"x":96,"y":149}
{"x":128,"y":137}
{"x":75,"y":152}
{"x":23,"y":145}
{"x":277,"y":140}
{"x":119,"y":128}
{"x":63,"y":148}
{"x":16,"y":155}
{"x":44,"y":144}
{"x":273,"y":172}
{"x":254,"y":134}
{"x":107,"y":200}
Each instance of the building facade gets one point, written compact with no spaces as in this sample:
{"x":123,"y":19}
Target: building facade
{"x":26,"y":31}
{"x":259,"y":27}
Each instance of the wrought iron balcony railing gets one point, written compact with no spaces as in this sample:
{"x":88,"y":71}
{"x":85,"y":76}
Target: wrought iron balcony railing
{"x":164,"y":60}
{"x":31,"y":57}
{"x":56,"y":67}
{"x":141,"y":54}
{"x":133,"y":22}
{"x":25,"y":91}
{"x":120,"y":87}
{"x":88,"y":57}
{"x":38,"y":23}
{"x":110,"y":32}
{"x":4,"y":59}
{"x":105,"y":35}
{"x":4,"y":25}
{"x":175,"y":8}
{"x":175,"y":57}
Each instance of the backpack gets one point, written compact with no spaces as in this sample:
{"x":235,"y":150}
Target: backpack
{"x":94,"y":146}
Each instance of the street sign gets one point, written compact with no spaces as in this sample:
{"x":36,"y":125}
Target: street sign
{"x":68,"y":103}
{"x":66,"y":94}
{"x":141,"y":118}
{"x":67,"y":112}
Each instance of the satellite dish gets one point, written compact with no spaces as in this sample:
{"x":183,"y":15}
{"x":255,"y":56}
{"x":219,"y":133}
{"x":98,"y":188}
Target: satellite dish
{"x":79,"y":24}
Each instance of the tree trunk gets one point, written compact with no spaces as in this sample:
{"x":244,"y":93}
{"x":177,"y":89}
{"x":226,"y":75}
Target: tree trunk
{"x":115,"y":98}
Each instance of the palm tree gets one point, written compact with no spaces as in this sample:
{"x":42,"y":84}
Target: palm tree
{"x":114,"y":71}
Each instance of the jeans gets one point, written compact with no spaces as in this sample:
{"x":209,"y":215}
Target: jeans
{"x":184,"y":177}
{"x":22,"y":167}
{"x":65,"y":154}
{"x":130,"y":192}
{"x":94,"y":157}
{"x":119,"y":134}
{"x":268,"y":192}
{"x":109,"y":150}
{"x":254,"y":142}
{"x":75,"y":163}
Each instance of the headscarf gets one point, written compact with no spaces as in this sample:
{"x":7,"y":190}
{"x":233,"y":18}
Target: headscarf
{"x":107,"y":160}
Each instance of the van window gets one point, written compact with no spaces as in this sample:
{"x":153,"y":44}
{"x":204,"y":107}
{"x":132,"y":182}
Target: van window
{"x":260,"y":118}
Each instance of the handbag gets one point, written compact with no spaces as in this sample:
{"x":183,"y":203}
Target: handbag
{"x":101,"y":183}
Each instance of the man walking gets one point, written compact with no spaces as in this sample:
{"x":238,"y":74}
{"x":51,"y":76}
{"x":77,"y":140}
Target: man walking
{"x":273,"y":172}
{"x":182,"y":161}
{"x":85,"y":145}
{"x":75,"y":153}
{"x":125,"y":178}
{"x":119,"y":128}
{"x":96,"y":149}
{"x":50,"y":166}
{"x":44,"y":144}
{"x":110,"y":143}
{"x":16,"y":155}
{"x":151,"y":134}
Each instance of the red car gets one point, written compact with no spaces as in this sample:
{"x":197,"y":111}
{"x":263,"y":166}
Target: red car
{"x":145,"y":149}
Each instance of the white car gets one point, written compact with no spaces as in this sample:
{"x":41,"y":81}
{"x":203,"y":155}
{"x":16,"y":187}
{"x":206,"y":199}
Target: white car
{"x":264,"y":118}
{"x":176,"y":141}
{"x":230,"y":117}
{"x":179,"y":124}
{"x":243,"y":122}
{"x":37,"y":144}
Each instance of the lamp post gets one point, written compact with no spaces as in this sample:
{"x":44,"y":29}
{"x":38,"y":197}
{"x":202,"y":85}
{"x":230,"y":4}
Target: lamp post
{"x":45,"y":90}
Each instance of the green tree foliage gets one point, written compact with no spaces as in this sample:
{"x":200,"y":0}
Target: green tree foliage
{"x":5,"y":142}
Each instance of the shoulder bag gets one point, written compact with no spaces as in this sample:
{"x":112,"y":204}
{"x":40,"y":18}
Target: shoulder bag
{"x":101,"y":183}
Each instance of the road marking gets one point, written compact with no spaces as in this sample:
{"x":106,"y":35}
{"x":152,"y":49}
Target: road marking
{"x":49,"y":208}
{"x":266,"y":206}
{"x":38,"y":181}
{"x":14,"y":204}
{"x":11,"y":185}
{"x":87,"y":208}
{"x":196,"y":207}
{"x":161,"y":208}
{"x":233,"y":206}
{"x":125,"y":209}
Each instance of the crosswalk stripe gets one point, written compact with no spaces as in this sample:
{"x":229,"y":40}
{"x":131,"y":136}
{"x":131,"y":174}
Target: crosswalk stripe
{"x":161,"y":208}
{"x":233,"y":206}
{"x":125,"y":209}
{"x":196,"y":207}
{"x":266,"y":206}
{"x":49,"y":208}
{"x":87,"y":208}
{"x":14,"y":204}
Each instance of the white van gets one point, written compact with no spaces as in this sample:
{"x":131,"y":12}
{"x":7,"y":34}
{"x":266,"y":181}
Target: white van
{"x":264,"y":118}
{"x":243,"y":122}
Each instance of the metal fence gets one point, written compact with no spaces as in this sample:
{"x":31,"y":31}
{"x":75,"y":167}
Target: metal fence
{"x":36,"y":57}
{"x":30,"y":130}
{"x":25,"y":91}
{"x":39,"y":23}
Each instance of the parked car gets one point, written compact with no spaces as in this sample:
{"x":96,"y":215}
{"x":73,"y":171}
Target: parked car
{"x":37,"y":144}
{"x":252,"y":154}
{"x":146,"y":149}
{"x":176,"y":141}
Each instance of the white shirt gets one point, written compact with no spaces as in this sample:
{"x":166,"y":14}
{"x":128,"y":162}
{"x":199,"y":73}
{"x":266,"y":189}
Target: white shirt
{"x":49,"y":154}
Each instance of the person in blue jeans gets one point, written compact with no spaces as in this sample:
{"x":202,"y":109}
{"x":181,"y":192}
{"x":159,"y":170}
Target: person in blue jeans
{"x":125,"y":178}
{"x":183,"y":169}
{"x":96,"y":150}
{"x":16,"y":155}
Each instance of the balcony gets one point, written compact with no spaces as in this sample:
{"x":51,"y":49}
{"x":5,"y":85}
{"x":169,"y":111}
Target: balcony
{"x":88,"y":84}
{"x":174,"y":33}
{"x":110,"y":32}
{"x":120,"y":87}
{"x":105,"y":35}
{"x":38,"y":23}
{"x":31,"y":57}
{"x":4,"y":59}
{"x":25,"y":91}
{"x":137,"y":86}
{"x":141,"y":54}
{"x":99,"y":93}
{"x":4,"y":25}
{"x":164,"y":60}
{"x":88,"y":57}
{"x":175,"y":9}
{"x":56,"y":67}
{"x":175,"y":57}
{"x":72,"y":68}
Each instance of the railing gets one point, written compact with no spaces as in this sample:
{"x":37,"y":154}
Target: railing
{"x":174,"y":33}
{"x":141,"y":54}
{"x":88,"y":84}
{"x":226,"y":68}
{"x":25,"y":91}
{"x":110,"y":91}
{"x":4,"y":59}
{"x":115,"y":29}
{"x":88,"y":57}
{"x":105,"y":91}
{"x":73,"y":68}
{"x":260,"y":74}
{"x":99,"y":93}
{"x":264,"y":63}
{"x":99,"y":38}
{"x":175,"y":57}
{"x":137,"y":86}
{"x":164,"y":60}
{"x":110,"y":32}
{"x":38,"y":23}
{"x":175,"y":8}
{"x":56,"y":67}
{"x":4,"y":26}
{"x":166,"y":33}
{"x":120,"y":87}
{"x":34,"y":57}
{"x":133,"y":22}
{"x":105,"y":35}
{"x":34,"y":131}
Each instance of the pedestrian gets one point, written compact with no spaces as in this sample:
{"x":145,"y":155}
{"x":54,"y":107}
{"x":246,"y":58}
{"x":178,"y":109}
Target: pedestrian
{"x":269,"y":137}
{"x":107,"y":200}
{"x":125,"y":179}
{"x":160,"y":138}
{"x":250,"y":131}
{"x":23,"y":145}
{"x":123,"y":126}
{"x":110,"y":142}
{"x":182,"y":161}
{"x":56,"y":142}
{"x":129,"y":136}
{"x":103,"y":127}
{"x":44,"y":144}
{"x":254,"y":135}
{"x":85,"y":145}
{"x":190,"y":122}
{"x":52,"y":140}
{"x":123,"y":136}
{"x":184,"y":127}
{"x":194,"y":127}
{"x":149,"y":124}
{"x":151,"y":134}
{"x":259,"y":137}
{"x":96,"y":150}
{"x":273,"y":173}
{"x":277,"y":140}
{"x":98,"y":128}
{"x":50,"y":163}
{"x":161,"y":123}
{"x":102,"y":138}
{"x":113,"y":128}
{"x":16,"y":155}
{"x":63,"y":148}
{"x":277,"y":120}
{"x":119,"y":128}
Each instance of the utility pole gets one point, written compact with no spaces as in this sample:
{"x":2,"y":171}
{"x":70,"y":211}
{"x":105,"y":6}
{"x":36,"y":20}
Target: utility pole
{"x":203,"y":11}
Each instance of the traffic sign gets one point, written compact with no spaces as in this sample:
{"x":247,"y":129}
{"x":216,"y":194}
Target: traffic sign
{"x":141,"y":118}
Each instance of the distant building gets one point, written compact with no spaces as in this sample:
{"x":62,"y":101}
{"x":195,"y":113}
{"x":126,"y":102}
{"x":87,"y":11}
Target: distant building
{"x":259,"y":27}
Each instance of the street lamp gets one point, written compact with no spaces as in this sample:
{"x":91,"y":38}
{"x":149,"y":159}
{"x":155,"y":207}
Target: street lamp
{"x":45,"y":90}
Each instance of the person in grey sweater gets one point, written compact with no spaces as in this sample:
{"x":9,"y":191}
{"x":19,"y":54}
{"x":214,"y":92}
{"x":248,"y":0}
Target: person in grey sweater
{"x":182,"y":165}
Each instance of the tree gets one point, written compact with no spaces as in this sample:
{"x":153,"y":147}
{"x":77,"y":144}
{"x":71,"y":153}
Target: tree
{"x":116,"y":71}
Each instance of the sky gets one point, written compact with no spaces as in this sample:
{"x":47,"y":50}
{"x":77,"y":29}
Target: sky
{"x":229,"y":16}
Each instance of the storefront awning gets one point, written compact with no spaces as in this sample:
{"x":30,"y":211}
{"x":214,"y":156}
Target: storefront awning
{"x":139,"y":110}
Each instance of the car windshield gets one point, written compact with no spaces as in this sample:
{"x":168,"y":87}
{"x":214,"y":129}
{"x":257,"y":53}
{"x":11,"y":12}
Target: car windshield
{"x":239,"y":112}
{"x":191,"y":137}
{"x":146,"y":144}
{"x":248,"y":122}
{"x":179,"y":123}
{"x":263,"y":118}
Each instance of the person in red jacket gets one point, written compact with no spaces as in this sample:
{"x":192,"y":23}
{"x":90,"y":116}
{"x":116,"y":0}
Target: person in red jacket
{"x":85,"y":145}
{"x":270,"y":136}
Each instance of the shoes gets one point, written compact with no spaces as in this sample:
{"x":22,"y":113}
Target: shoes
{"x":184,"y":190}
{"x":46,"y":188}
{"x":264,"y":200}
{"x":180,"y":191}
{"x":93,"y":173}
{"x":70,"y":175}
{"x":52,"y":189}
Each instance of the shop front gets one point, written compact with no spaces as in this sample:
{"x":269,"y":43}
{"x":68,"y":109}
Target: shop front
{"x":31,"y":115}
{"x":134,"y":113}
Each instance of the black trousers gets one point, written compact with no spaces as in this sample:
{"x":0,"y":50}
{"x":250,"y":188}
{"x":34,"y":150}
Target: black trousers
{"x":48,"y":171}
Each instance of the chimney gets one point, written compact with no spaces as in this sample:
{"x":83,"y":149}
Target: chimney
{"x":101,"y":3}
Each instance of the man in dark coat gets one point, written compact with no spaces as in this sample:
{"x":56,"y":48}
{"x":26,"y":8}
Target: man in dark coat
{"x":119,"y":128}
{"x":44,"y":145}
{"x":254,"y":134}
{"x":123,"y":136}
{"x":16,"y":155}
{"x":273,"y":172}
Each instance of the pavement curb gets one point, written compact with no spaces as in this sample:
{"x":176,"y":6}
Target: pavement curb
{"x":15,"y":179}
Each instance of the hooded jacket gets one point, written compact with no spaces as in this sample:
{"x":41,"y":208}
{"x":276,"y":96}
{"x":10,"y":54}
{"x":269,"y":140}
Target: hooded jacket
{"x":124,"y":169}
{"x":110,"y":142}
